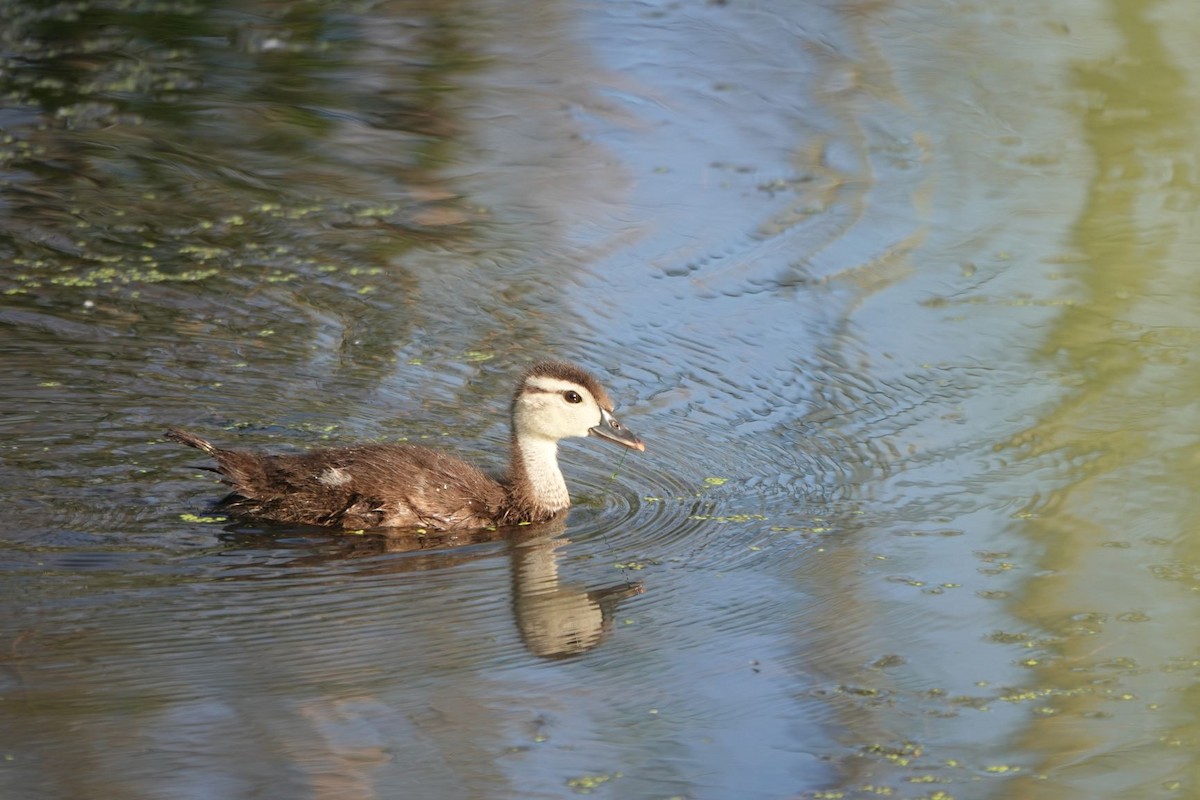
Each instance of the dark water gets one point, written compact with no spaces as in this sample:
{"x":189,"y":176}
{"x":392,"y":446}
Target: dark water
{"x":899,"y":298}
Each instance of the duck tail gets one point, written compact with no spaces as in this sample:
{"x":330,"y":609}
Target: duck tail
{"x":191,"y":440}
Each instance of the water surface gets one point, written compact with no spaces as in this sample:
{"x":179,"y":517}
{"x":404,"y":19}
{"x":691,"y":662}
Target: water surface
{"x":900,"y":298}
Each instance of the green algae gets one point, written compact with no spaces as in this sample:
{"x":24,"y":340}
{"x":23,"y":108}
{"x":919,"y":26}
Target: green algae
{"x":729,"y":517}
{"x":586,"y":784}
{"x":203,"y":520}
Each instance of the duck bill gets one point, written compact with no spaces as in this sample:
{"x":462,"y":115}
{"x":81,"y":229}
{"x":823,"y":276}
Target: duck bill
{"x":614,"y":431}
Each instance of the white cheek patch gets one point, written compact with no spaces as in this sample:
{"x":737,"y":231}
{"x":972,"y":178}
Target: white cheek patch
{"x":334,"y":476}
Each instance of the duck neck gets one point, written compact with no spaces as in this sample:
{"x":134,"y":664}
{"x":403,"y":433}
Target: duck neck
{"x":535,"y":481}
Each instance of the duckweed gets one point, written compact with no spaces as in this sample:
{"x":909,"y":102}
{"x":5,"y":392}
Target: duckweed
{"x":128,"y":275}
{"x":586,"y":784}
{"x":635,"y":565}
{"x":729,"y":517}
{"x":203,"y":520}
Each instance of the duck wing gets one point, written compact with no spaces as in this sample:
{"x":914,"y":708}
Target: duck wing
{"x":367,"y":486}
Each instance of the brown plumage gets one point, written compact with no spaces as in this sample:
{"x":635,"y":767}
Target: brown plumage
{"x":403,"y":486}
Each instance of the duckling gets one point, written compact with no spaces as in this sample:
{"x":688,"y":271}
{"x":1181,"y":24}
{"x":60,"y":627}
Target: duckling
{"x":407,"y":486}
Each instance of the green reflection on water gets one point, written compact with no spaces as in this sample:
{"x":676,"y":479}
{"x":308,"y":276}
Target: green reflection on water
{"x":1124,"y":440}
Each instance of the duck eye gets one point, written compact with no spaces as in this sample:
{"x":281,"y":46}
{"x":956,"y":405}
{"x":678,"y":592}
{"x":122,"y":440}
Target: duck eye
{"x":572,"y":397}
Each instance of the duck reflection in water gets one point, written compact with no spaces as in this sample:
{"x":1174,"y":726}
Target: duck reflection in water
{"x":554,"y":619}
{"x":558,"y":620}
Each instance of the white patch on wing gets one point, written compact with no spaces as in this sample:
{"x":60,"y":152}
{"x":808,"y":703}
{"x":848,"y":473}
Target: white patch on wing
{"x":334,"y":476}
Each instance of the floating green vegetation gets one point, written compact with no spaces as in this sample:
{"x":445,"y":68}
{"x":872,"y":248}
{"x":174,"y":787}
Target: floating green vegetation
{"x":716,"y":481}
{"x":202,"y":252}
{"x":1025,"y":695}
{"x":1010,"y":637}
{"x":586,"y":784}
{"x":901,"y":756}
{"x":377,"y":211}
{"x":729,"y":517}
{"x":203,"y":520}
{"x":815,"y":529}
{"x":636,"y":565}
{"x":928,"y":779}
{"x":111,"y":276}
{"x":1002,"y":769}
